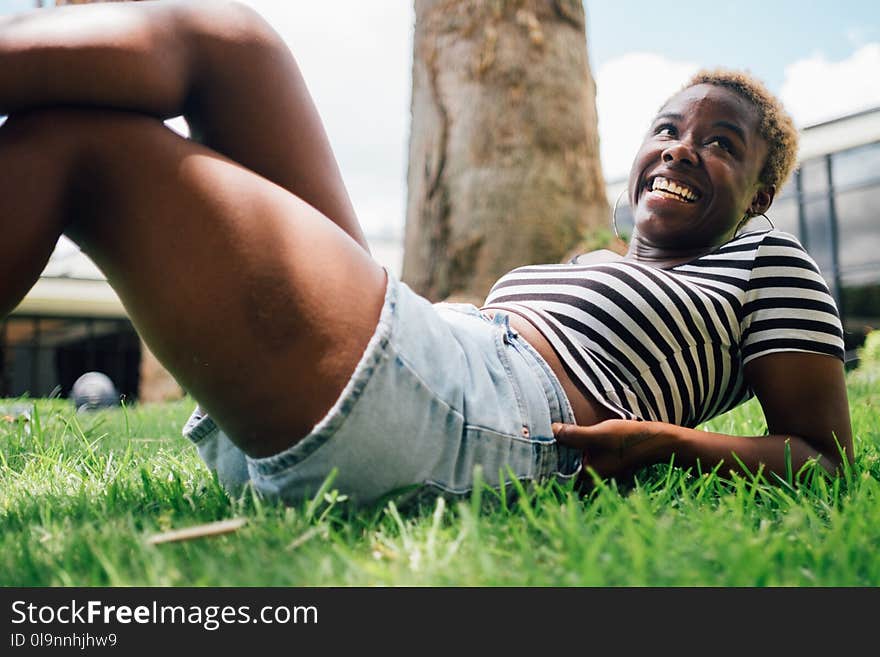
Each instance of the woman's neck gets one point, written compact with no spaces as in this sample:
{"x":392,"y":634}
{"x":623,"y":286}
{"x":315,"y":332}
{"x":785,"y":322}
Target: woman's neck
{"x":663,"y":257}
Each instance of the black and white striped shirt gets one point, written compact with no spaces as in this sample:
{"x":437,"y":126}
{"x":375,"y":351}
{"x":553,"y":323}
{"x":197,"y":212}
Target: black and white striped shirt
{"x":670,"y":344}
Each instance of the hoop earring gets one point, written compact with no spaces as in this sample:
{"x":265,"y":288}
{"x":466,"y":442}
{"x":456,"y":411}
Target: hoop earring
{"x":614,"y":213}
{"x":747,"y":219}
{"x":772,"y":227}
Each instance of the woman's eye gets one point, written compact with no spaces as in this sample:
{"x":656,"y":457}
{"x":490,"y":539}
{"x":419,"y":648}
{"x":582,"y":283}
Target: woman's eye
{"x":721,"y":142}
{"x":665,"y":131}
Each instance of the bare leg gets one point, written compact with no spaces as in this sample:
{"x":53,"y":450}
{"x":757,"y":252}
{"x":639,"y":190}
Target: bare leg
{"x":217,"y":63}
{"x":225,"y":275}
{"x":258,"y":304}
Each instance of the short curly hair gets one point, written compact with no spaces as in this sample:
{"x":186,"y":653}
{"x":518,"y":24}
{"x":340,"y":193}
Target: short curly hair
{"x":776,"y":125}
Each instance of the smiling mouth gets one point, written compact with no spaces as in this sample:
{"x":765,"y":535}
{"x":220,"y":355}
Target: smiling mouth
{"x":672,"y":189}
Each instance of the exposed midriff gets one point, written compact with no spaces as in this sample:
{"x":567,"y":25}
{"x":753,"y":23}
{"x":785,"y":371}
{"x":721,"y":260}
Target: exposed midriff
{"x":587,"y":410}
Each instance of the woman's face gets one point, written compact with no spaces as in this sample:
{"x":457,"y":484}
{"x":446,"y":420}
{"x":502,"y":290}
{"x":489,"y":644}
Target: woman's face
{"x":696,"y":174}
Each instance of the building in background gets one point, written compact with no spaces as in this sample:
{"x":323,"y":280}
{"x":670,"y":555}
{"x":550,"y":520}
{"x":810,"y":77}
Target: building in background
{"x":830,"y":204}
{"x":70,"y":323}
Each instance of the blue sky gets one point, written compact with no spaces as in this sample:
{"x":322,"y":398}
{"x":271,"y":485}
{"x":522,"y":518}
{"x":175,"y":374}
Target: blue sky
{"x":822,"y":57}
{"x":760,"y":35}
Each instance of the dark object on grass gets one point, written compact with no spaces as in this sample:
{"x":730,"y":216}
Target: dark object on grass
{"x":94,"y":390}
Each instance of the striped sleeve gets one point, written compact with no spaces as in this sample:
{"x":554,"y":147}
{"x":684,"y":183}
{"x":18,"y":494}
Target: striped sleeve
{"x":788,"y":306}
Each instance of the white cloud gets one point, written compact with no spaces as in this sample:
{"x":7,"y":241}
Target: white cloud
{"x":629,"y":91}
{"x":816,"y":89}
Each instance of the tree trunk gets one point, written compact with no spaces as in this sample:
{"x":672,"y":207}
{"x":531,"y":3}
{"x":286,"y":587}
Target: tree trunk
{"x":504,"y":151}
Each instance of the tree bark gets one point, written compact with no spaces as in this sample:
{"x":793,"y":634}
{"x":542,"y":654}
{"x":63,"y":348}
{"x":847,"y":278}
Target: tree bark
{"x":504,"y":163}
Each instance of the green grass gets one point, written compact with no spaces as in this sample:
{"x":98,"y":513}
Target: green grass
{"x":80,"y":494}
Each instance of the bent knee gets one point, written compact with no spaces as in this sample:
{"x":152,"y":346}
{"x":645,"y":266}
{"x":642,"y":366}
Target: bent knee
{"x":234,"y":27}
{"x":82,"y":149}
{"x":81,"y":142}
{"x":62,"y":141}
{"x":75,"y":127}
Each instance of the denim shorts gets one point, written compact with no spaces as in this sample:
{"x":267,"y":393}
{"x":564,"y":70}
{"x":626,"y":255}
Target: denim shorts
{"x":440,"y":389}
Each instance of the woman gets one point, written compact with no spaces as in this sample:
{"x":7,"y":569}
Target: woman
{"x":241,"y":263}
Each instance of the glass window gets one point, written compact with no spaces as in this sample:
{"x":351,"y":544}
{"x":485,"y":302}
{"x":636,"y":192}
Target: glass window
{"x":21,"y":362}
{"x":814,"y":177}
{"x":43,"y":355}
{"x":859,"y":232}
{"x":789,"y":189}
{"x":859,"y":257}
{"x":818,"y":237}
{"x":856,"y":166}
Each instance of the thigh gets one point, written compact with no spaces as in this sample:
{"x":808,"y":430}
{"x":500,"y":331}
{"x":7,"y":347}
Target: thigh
{"x":257,"y":303}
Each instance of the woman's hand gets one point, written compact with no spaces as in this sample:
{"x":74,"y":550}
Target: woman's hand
{"x":613,"y":448}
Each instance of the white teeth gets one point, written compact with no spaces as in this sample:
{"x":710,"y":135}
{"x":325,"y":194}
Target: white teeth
{"x":661,"y":183}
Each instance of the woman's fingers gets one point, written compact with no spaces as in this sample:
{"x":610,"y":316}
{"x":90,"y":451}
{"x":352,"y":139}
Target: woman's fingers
{"x":610,"y":434}
{"x":602,"y":444}
{"x":580,"y":437}
{"x":613,"y":448}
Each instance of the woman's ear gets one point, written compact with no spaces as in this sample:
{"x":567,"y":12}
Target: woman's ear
{"x":762,"y":200}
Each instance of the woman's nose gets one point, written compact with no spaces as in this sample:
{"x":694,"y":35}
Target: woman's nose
{"x":680,"y":151}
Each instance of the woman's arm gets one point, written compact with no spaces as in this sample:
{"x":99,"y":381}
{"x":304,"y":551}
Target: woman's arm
{"x":804,"y":400}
